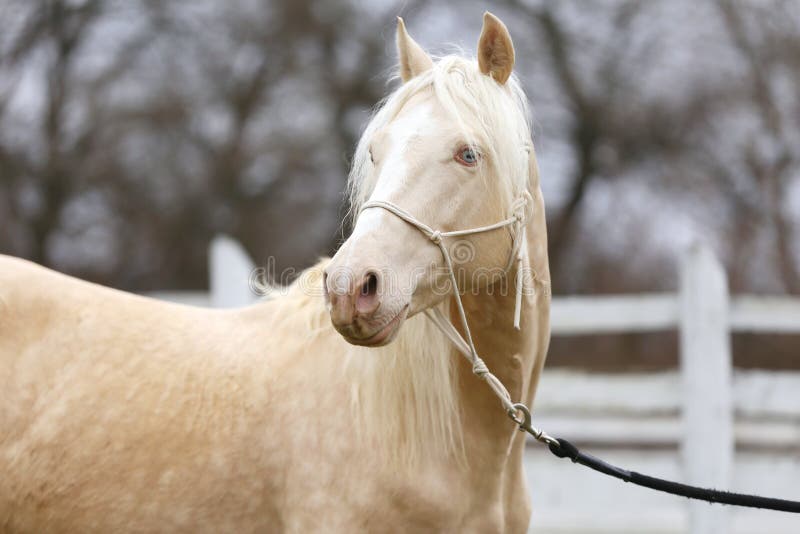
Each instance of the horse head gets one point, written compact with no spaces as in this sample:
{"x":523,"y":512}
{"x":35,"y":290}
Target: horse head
{"x":447,"y":151}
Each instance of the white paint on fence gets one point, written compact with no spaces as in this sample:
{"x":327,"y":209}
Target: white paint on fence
{"x":635,"y":421}
{"x":230,"y":268}
{"x":645,"y":410}
{"x":705,"y":362}
{"x":765,"y":314}
{"x":606,"y":314}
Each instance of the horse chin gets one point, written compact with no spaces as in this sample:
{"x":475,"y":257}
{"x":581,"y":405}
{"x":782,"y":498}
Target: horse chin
{"x":385,"y":335}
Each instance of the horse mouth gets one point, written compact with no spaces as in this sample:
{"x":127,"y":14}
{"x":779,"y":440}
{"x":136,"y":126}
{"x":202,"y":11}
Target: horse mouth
{"x":385,"y":335}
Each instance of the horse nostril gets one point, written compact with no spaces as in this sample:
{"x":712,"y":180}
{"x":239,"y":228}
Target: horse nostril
{"x":370,"y":286}
{"x":325,"y":286}
{"x":367,"y":300}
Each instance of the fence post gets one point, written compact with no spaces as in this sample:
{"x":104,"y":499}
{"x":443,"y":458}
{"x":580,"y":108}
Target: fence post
{"x":707,"y":447}
{"x":229,"y":270}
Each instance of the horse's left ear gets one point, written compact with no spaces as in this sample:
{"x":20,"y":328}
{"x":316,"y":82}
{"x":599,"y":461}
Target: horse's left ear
{"x":495,"y":50}
{"x":413,"y":59}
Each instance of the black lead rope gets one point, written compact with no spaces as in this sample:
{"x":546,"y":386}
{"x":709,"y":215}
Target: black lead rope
{"x":562,"y":448}
{"x":565,"y":449}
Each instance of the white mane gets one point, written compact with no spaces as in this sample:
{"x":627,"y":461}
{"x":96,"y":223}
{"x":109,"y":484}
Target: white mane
{"x":403,"y":395}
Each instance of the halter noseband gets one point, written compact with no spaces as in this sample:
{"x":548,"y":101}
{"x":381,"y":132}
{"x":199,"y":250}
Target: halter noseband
{"x":519,"y":250}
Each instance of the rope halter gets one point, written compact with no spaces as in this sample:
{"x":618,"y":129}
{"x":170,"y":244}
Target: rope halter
{"x":519,"y":250}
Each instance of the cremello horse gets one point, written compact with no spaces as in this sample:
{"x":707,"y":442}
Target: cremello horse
{"x":119,"y":413}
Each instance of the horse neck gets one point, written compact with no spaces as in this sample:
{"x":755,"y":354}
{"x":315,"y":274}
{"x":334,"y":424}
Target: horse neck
{"x":515,"y":356}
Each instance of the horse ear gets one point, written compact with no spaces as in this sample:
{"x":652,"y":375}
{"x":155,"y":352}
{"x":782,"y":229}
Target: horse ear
{"x":413,"y":59}
{"x":495,"y":49}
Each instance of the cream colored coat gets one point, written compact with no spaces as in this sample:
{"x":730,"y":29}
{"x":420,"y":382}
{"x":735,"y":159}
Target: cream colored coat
{"x":120,"y":413}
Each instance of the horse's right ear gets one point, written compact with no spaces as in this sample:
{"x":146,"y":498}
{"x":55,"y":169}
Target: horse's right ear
{"x":495,"y":50}
{"x":413,"y":59}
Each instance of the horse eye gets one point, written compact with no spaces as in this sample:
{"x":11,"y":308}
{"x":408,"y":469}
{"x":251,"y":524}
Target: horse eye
{"x":467,"y":156}
{"x":371,"y":157}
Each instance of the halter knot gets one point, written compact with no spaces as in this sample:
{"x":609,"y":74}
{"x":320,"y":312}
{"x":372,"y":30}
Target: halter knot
{"x":519,"y":209}
{"x":479,"y":367}
{"x":436,"y":236}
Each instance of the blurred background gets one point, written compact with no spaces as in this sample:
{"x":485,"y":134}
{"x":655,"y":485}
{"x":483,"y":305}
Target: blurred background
{"x":133,"y":132}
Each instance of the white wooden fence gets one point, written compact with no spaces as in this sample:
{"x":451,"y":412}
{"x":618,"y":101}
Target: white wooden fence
{"x":705,"y":424}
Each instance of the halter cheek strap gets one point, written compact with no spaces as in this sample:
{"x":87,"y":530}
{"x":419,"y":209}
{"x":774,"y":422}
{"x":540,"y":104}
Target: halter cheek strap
{"x":519,"y":251}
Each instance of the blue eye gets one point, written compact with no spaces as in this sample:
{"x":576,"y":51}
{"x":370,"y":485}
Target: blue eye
{"x":467,"y":156}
